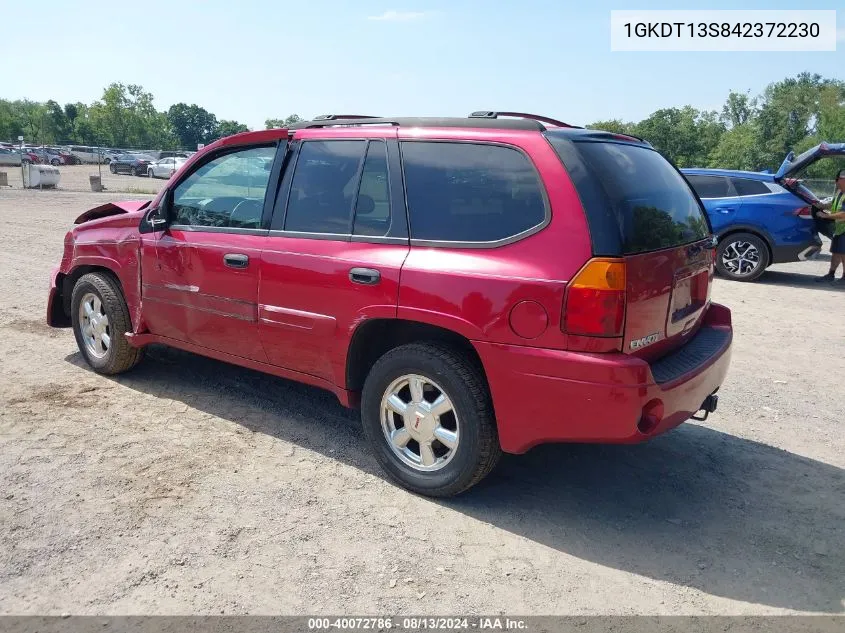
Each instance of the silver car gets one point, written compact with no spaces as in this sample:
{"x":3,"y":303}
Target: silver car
{"x":165,"y":167}
{"x":10,"y":157}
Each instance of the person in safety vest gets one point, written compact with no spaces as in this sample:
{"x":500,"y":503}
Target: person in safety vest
{"x":836,"y":213}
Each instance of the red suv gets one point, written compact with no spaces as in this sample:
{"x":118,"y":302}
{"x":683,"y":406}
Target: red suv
{"x":475,"y":285}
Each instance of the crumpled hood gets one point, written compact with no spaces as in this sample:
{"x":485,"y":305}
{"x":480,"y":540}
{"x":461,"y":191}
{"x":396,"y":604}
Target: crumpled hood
{"x":112,"y":208}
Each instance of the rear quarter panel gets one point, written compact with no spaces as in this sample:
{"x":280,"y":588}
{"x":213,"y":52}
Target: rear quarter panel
{"x":774,"y":215}
{"x":472,"y":290}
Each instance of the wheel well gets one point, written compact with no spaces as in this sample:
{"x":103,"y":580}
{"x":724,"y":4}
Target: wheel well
{"x":376,"y":337}
{"x":755,"y":234}
{"x":67,"y":282}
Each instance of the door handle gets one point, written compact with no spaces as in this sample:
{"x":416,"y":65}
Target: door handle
{"x":725,"y":209}
{"x":236,"y":260}
{"x":366,"y":276}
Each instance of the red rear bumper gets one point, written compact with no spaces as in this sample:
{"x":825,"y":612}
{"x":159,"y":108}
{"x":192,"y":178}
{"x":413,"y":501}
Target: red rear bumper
{"x":544,"y":395}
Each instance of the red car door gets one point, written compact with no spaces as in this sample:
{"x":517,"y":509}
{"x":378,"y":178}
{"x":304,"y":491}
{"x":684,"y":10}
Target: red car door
{"x":336,"y":247}
{"x":200,"y":275}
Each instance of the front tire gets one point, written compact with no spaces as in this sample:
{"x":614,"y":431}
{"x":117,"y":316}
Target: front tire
{"x":100,"y":319}
{"x":742,"y":257}
{"x":150,"y":173}
{"x":428,"y":417}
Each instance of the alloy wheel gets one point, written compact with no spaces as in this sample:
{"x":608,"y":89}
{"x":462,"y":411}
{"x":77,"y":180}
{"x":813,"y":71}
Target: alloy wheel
{"x":741,"y":258}
{"x":419,"y":422}
{"x":94,"y":325}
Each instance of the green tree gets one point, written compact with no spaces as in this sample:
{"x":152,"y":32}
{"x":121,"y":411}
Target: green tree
{"x":58,"y":128}
{"x":71,"y":112}
{"x":10,"y":122}
{"x":738,"y":110}
{"x":228,"y":128}
{"x":269,"y":124}
{"x":684,"y":135}
{"x":790,"y":111}
{"x":738,"y":148}
{"x":613,"y":125}
{"x":32,"y":116}
{"x":192,"y":124}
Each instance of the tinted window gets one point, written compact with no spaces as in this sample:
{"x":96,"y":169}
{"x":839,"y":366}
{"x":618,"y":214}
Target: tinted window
{"x":470,"y":193}
{"x":634,"y":199}
{"x":324,"y":185}
{"x":225,"y":192}
{"x":747,"y":187}
{"x":372,"y":209}
{"x":711,"y":186}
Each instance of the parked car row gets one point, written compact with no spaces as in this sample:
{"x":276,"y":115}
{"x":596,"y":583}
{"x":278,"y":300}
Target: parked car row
{"x":77,"y":154}
{"x":145,"y":165}
{"x":15,"y":156}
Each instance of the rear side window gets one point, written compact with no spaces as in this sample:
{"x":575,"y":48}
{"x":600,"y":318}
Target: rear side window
{"x":465,"y":192}
{"x":325,"y":182}
{"x":634,"y":199}
{"x":372,"y":208}
{"x":748,"y":187}
{"x":711,"y":186}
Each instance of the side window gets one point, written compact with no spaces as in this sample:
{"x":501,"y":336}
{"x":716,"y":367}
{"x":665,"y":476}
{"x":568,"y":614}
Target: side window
{"x":325,"y":181}
{"x":227,"y":192}
{"x":372,"y":208}
{"x":711,"y":186}
{"x":464,"y":192}
{"x":747,"y":187}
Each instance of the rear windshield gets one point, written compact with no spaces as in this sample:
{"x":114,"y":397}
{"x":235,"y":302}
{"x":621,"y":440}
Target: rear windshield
{"x":635,"y":200}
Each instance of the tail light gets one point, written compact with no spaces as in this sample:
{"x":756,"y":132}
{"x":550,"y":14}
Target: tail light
{"x":595,"y":299}
{"x":803,"y":212}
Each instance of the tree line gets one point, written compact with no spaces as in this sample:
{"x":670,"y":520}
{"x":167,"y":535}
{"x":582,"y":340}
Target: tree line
{"x":123,"y":117}
{"x":751,"y":132}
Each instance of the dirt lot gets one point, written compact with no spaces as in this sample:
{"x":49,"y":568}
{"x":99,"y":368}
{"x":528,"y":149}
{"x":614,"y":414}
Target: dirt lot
{"x":75,"y":178}
{"x":191,"y":486}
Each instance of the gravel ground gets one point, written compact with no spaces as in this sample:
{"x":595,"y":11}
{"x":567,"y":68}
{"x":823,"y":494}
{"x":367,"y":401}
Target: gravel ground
{"x":193,"y":487}
{"x":75,"y":178}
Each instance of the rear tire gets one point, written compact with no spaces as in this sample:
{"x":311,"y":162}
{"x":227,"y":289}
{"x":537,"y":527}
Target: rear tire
{"x":469,"y":424}
{"x":101,"y":323}
{"x":742,"y":257}
{"x":112,"y":168}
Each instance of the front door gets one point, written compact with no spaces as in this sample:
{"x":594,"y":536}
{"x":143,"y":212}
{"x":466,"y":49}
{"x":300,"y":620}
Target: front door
{"x":335,"y":251}
{"x":200,"y":276}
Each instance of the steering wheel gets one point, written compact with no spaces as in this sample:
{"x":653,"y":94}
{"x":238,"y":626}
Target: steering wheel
{"x":246,"y":212}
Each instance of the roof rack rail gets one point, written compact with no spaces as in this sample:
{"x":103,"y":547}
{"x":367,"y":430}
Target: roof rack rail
{"x":334,"y":117}
{"x":478,"y":122}
{"x":489,"y":114}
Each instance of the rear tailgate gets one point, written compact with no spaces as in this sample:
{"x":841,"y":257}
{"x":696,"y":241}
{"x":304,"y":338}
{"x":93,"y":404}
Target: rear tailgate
{"x":641,"y":210}
{"x":667,"y":293}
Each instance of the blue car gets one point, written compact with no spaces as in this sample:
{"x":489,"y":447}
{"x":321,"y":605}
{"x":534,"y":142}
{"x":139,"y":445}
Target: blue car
{"x":761,"y":218}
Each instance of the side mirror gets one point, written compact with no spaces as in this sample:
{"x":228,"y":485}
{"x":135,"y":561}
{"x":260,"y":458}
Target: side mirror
{"x":156,"y":218}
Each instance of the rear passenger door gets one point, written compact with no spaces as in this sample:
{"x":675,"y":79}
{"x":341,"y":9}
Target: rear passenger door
{"x":719,"y":197}
{"x":337,"y":243}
